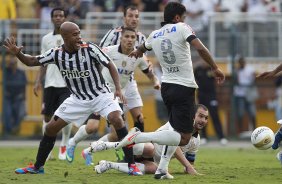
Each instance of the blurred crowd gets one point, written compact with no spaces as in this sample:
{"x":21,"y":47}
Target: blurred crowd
{"x":77,"y":9}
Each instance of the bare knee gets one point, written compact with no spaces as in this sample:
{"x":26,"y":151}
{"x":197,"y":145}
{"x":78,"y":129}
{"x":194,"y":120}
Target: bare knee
{"x":92,"y":126}
{"x":116,"y":120}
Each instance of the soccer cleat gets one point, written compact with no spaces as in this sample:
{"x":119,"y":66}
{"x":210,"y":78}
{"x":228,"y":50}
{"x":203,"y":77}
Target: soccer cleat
{"x":98,"y":146}
{"x":134,"y":170}
{"x":278,"y":139}
{"x":120,"y":155}
{"x":102,"y":167}
{"x":163,"y":176}
{"x":70,"y":153}
{"x":62,"y":153}
{"x":30,"y":169}
{"x":129,"y":139}
{"x":87,"y":157}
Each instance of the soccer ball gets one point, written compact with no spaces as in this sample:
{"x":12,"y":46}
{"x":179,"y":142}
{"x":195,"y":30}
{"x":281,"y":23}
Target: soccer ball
{"x":262,"y":138}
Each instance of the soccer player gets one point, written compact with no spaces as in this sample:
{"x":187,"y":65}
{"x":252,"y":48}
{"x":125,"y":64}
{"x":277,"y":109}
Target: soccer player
{"x":55,"y":88}
{"x":113,"y":37}
{"x":80,"y":65}
{"x":145,"y":151}
{"x":125,"y":66}
{"x":278,"y":135}
{"x":171,"y":44}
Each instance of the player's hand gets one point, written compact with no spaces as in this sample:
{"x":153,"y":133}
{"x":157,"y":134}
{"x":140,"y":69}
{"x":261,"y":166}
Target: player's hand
{"x":10,"y":45}
{"x":119,"y":94}
{"x":192,"y":171}
{"x":136,"y":54}
{"x":37,"y":86}
{"x":157,"y":85}
{"x":219,"y":76}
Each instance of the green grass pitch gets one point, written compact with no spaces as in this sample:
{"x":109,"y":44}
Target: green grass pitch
{"x":220,"y":165}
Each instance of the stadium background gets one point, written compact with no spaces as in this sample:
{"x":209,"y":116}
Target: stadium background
{"x":258,"y":38}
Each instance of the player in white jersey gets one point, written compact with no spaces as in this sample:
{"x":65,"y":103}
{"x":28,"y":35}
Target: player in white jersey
{"x":125,"y":67}
{"x":171,"y":45}
{"x":55,"y":88}
{"x":131,"y":20}
{"x":186,"y":155}
{"x":80,"y":65}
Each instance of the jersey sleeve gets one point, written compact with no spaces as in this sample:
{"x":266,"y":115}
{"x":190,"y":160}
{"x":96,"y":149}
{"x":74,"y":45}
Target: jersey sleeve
{"x":187,"y":32}
{"x":109,"y":39}
{"x":98,"y":54}
{"x":47,"y":57}
{"x":148,"y":42}
{"x":143,"y":63}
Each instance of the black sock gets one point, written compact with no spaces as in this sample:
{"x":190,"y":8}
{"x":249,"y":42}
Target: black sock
{"x":46,"y":145}
{"x":128,"y":152}
{"x":139,"y":125}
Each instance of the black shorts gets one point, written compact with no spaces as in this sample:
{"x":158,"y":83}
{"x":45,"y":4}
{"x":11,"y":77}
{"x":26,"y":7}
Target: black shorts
{"x":53,"y":98}
{"x":180,"y":103}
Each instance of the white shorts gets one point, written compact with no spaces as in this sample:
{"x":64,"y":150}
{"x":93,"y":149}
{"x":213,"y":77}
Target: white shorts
{"x":132,"y":96}
{"x":74,"y":110}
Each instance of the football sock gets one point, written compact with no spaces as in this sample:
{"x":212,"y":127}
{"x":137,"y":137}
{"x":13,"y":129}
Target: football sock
{"x":123,"y":167}
{"x":80,"y":135}
{"x":104,"y":138}
{"x":167,"y":153}
{"x":139,"y":125}
{"x":66,"y":131}
{"x":46,"y":145}
{"x":128,"y":152}
{"x":164,"y":137}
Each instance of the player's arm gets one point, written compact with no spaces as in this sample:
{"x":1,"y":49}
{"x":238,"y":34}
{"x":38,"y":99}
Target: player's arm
{"x":271,"y":73}
{"x":206,"y":56}
{"x":138,"y":53}
{"x":188,"y":167}
{"x":10,"y":45}
{"x":149,"y":72}
{"x":39,"y":79}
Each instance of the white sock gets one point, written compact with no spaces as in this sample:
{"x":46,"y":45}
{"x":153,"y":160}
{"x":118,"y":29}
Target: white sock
{"x":167,"y":153}
{"x":66,"y":131}
{"x":80,"y":135}
{"x":123,"y":167}
{"x":104,"y":138}
{"x":164,"y":137}
{"x":44,"y":126}
{"x":87,"y":150}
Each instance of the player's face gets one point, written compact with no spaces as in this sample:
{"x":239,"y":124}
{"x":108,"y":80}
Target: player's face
{"x":201,"y":119}
{"x":73,"y":39}
{"x":131,"y":19}
{"x":58,"y":18}
{"x":128,"y":39}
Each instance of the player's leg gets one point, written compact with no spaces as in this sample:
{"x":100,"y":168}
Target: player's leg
{"x":46,"y":145}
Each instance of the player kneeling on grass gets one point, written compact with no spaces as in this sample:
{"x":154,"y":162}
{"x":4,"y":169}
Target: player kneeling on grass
{"x":148,"y":155}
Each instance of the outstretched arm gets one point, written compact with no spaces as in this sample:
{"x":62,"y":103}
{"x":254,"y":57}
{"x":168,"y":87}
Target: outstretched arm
{"x":10,"y":45}
{"x":271,"y":73}
{"x":206,"y":56}
{"x":38,"y":82}
{"x":141,"y":49}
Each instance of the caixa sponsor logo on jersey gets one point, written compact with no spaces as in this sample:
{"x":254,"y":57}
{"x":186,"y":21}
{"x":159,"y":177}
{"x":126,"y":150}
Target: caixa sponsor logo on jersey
{"x":71,"y":74}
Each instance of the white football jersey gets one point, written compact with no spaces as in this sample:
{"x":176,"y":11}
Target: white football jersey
{"x":192,"y":147}
{"x":173,"y":52}
{"x":125,"y":66}
{"x":53,"y":76}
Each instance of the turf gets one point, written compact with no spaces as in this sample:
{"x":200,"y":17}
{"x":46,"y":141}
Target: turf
{"x":220,"y":165}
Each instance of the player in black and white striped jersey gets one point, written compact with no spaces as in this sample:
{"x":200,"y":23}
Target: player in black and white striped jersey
{"x":80,"y":65}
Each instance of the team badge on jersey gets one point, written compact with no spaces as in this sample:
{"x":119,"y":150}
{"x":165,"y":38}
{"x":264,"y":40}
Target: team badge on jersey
{"x":123,"y":64}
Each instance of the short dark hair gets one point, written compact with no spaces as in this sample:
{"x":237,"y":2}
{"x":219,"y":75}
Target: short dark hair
{"x":127,"y":29}
{"x":198,"y":106}
{"x":58,"y":9}
{"x":172,"y":9}
{"x":132,"y":7}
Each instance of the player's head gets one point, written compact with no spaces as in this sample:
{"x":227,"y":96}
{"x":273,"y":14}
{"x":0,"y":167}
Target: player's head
{"x":131,"y":17}
{"x":128,"y":38}
{"x":58,"y":16}
{"x":201,"y":117}
{"x":241,"y":62}
{"x":174,"y":12}
{"x":71,"y":35}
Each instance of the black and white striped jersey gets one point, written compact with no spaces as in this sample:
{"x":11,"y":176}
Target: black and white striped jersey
{"x":113,"y":38}
{"x":81,"y":70}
